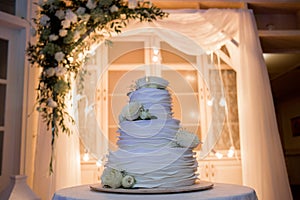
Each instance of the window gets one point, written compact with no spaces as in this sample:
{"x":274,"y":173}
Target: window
{"x":3,"y":83}
{"x":8,"y":6}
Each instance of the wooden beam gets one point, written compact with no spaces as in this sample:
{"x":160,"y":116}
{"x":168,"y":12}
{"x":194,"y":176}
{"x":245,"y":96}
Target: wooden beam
{"x":278,"y":33}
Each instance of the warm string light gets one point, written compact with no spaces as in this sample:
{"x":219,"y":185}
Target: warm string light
{"x":99,"y":163}
{"x":210,"y":102}
{"x":155,"y":57}
{"x":230,"y":152}
{"x":219,"y":155}
{"x":86,"y":156}
{"x":222,"y":102}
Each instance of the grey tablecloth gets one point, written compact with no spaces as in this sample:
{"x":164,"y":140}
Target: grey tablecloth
{"x":218,"y":192}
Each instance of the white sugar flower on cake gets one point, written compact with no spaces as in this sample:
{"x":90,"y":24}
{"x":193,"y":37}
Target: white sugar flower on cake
{"x":115,"y":179}
{"x":131,"y":111}
{"x":135,"y":111}
{"x":128,"y":181}
{"x":186,"y":139}
{"x":152,"y":82}
{"x":111,"y":178}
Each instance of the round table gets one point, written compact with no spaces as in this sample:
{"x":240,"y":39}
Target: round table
{"x":218,"y":192}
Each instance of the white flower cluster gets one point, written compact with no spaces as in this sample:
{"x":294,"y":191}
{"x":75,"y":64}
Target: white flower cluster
{"x":72,"y":24}
{"x":151,"y":82}
{"x":186,"y":139}
{"x":134,"y":111}
{"x":114,"y":178}
{"x":59,"y":71}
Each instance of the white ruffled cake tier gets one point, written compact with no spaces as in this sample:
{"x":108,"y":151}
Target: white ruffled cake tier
{"x":167,"y":167}
{"x":147,"y":135}
{"x":158,"y":101}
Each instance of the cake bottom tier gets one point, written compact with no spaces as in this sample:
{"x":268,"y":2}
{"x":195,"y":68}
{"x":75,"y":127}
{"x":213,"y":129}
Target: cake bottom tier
{"x":168,"y":167}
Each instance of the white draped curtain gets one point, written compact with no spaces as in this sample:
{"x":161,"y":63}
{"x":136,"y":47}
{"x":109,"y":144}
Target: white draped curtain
{"x":66,"y":161}
{"x":204,"y":32}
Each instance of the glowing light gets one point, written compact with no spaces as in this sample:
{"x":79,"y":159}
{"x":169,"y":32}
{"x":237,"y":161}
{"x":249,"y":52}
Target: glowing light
{"x":99,"y":163}
{"x":230,"y":152}
{"x":210,"y":102}
{"x":86,"y":156}
{"x":155,"y":59}
{"x":222,"y":102}
{"x":219,"y":155}
{"x":190,"y":78}
{"x":155,"y":51}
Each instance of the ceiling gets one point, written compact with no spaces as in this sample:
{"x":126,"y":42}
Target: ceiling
{"x":278,"y":23}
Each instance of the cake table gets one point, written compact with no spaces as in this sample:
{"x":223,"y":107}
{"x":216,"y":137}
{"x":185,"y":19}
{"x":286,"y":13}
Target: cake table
{"x":220,"y":191}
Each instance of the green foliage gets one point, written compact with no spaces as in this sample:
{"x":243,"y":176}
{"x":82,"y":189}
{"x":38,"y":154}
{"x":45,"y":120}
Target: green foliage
{"x":65,"y":29}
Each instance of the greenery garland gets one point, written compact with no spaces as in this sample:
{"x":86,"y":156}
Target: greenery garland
{"x":65,"y":31}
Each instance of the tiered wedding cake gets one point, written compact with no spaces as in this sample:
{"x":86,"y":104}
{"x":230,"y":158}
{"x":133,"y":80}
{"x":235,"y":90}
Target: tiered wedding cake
{"x":153,"y":149}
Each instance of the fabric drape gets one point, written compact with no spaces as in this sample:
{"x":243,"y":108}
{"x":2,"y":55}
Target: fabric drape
{"x":66,"y":161}
{"x":262,"y":155}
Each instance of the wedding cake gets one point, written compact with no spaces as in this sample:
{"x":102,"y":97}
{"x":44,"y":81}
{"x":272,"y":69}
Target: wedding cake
{"x":153,"y":150}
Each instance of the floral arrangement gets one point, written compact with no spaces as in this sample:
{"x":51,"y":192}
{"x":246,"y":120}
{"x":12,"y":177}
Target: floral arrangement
{"x":65,"y":31}
{"x":135,"y":111}
{"x":114,"y":178}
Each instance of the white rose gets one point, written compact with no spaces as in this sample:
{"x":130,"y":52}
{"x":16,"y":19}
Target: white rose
{"x":128,"y":181}
{"x":80,"y":11}
{"x":71,"y":16}
{"x":60,"y":14}
{"x":63,"y":32}
{"x":131,"y":111}
{"x":66,"y":23}
{"x":51,"y":103}
{"x":114,"y":8}
{"x":59,"y":56}
{"x":53,"y":37}
{"x":112,"y":178}
{"x":91,"y":4}
{"x":44,"y":20}
{"x":60,"y":71}
{"x":186,"y":139}
{"x":50,"y":72}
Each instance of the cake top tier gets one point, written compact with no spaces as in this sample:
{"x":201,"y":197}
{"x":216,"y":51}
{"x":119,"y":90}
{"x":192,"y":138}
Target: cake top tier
{"x":151,"y":82}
